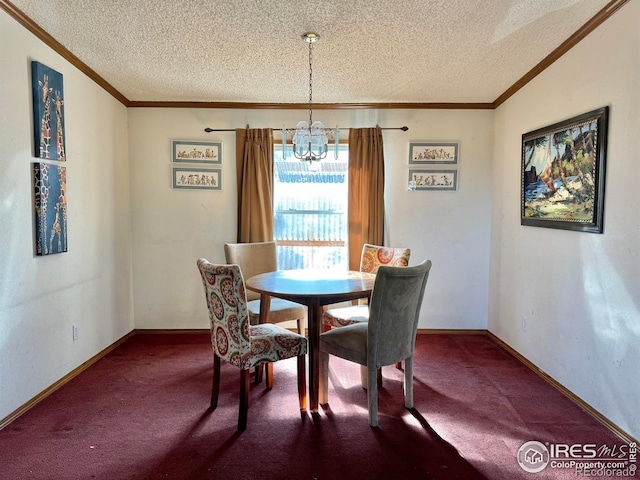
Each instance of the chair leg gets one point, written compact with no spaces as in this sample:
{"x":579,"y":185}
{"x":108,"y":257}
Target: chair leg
{"x":372,"y":396}
{"x":323,"y":390}
{"x":300,"y":327}
{"x":244,"y":400}
{"x":269,"y":382}
{"x":302,"y":382}
{"x":215,"y":384}
{"x":363,"y":376}
{"x":408,"y":382}
{"x":258,"y":374}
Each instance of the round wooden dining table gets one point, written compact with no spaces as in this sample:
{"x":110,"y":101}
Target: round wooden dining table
{"x":315,"y":289}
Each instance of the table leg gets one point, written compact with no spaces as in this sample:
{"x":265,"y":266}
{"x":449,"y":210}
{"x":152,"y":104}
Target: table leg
{"x":315,"y":321}
{"x":265,"y":307}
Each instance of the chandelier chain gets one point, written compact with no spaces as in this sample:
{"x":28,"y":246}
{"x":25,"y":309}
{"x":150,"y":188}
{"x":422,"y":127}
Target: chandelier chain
{"x":310,"y":82}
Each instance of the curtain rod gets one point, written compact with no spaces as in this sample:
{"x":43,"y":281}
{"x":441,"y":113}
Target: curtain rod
{"x":209,"y":130}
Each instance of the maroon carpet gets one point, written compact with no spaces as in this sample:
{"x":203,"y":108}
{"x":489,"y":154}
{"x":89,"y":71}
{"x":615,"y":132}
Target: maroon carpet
{"x":142,"y":413}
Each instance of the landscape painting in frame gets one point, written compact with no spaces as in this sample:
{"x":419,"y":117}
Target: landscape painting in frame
{"x":432,"y":153}
{"x":433,"y":179}
{"x":197,"y":178}
{"x":48,"y":113}
{"x":50,"y":201}
{"x":197,"y":152}
{"x":563,"y":171}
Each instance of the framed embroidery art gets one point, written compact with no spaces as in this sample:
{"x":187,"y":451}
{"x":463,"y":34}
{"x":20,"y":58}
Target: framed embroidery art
{"x":193,"y":178}
{"x":433,"y":153}
{"x":420,"y":179}
{"x":197,"y":152}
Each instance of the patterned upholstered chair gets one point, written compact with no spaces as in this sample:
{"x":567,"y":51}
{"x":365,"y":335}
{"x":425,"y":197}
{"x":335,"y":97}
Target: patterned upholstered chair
{"x":388,"y":337}
{"x":372,"y":258}
{"x":243,"y":345}
{"x":257,"y":258}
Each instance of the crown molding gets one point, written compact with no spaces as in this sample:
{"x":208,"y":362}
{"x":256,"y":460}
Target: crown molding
{"x":47,"y":39}
{"x":612,"y":7}
{"x":305,"y":106}
{"x":595,"y":21}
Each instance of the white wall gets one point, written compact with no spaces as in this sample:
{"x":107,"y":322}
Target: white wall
{"x":581,"y":291}
{"x":90,"y":285}
{"x":172,"y":228}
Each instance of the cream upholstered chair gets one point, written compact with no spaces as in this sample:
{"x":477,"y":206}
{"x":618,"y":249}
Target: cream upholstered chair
{"x":240,"y":344}
{"x":388,"y":337}
{"x":373,"y":256}
{"x":254,"y":259}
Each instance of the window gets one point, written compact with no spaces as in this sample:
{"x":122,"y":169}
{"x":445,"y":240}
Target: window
{"x":310,"y":211}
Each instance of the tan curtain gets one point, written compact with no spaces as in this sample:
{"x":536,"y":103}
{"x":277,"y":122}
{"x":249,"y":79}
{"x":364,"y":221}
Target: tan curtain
{"x":366,"y":191}
{"x":254,"y":166}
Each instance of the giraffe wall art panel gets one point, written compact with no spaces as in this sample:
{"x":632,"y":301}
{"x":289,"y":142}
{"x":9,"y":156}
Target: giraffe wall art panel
{"x":50,"y":201}
{"x":48,"y":112}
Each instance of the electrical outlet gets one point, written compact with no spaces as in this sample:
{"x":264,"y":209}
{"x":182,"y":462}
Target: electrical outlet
{"x":74,"y":329}
{"x":525,"y":324}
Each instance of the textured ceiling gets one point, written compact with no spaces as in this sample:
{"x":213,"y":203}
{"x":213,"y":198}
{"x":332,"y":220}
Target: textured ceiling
{"x":370,"y":51}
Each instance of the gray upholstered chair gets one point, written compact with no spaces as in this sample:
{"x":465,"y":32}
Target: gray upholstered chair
{"x":387,"y":338}
{"x":372,"y":258}
{"x":240,"y":344}
{"x":257,"y":258}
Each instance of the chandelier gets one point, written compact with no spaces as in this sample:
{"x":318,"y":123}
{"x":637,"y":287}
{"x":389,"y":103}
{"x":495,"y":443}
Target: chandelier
{"x":310,"y":140}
